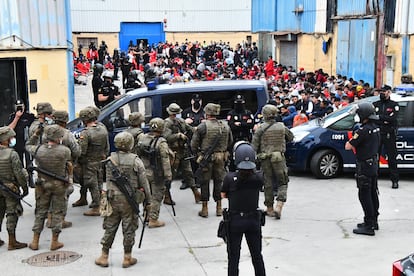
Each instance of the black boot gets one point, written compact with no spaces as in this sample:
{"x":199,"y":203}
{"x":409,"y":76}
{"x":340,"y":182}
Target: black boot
{"x":366,"y":230}
{"x":184,"y":186}
{"x":362,"y":225}
{"x":394,"y":185}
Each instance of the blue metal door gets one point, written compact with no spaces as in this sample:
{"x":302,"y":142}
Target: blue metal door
{"x":131,"y":31}
{"x":357,"y":49}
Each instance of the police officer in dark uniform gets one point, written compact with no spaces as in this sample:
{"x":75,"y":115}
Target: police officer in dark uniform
{"x":365,"y":142}
{"x":242,"y":189}
{"x":241,"y":120}
{"x":20,"y":121}
{"x":194,"y":114}
{"x":387,"y":110}
{"x":97,"y":81}
{"x":108,"y":91}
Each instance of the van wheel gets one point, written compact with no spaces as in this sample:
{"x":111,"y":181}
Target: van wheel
{"x":325,"y":164}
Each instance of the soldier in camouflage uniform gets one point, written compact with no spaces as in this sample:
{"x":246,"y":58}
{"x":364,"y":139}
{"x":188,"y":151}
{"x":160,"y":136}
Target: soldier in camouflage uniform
{"x":209,"y":133}
{"x":95,"y":147}
{"x":61,"y":117}
{"x":14,"y":176}
{"x":132,"y":167}
{"x":135,"y":121}
{"x":269,"y":141}
{"x":50,"y":192}
{"x":177,"y":132}
{"x":44,"y":118}
{"x":154,"y":152}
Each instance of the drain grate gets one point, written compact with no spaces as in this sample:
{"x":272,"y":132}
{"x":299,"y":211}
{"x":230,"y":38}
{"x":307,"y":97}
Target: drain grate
{"x":52,"y":258}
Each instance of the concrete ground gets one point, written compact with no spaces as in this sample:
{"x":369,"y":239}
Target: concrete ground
{"x":314,"y":236}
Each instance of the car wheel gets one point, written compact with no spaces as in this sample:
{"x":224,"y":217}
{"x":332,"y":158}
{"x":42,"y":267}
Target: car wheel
{"x":325,"y":164}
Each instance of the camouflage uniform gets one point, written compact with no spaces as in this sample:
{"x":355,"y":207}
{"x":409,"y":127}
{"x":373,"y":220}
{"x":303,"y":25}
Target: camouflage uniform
{"x":269,"y":141}
{"x":94,"y":145}
{"x":135,"y":120}
{"x":158,"y":169}
{"x":50,"y":193}
{"x":132,"y":167}
{"x":14,"y":176}
{"x":177,"y":133}
{"x":204,"y":137}
{"x":44,"y":111}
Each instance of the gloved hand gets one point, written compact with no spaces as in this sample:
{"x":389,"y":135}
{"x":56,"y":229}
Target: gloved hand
{"x":25,"y":191}
{"x":167,"y":184}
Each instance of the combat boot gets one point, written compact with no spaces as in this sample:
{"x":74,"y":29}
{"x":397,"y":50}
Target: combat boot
{"x":167,"y":199}
{"x":366,"y":230}
{"x":154,"y":223}
{"x":92,"y":212}
{"x":278,"y":209}
{"x":66,"y":224}
{"x":219,"y":210}
{"x":13,"y":244}
{"x":197,"y":195}
{"x":80,"y":202}
{"x":55,"y":243}
{"x":204,"y":210}
{"x":270,"y":212}
{"x":49,"y":220}
{"x":128,"y":260}
{"x":34,"y":245}
{"x":103,"y":259}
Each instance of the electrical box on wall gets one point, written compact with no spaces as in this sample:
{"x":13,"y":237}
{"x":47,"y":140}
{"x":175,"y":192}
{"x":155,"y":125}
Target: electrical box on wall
{"x":33,"y":86}
{"x":390,"y":62}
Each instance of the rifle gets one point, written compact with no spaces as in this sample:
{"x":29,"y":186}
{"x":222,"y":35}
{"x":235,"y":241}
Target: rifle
{"x":11,"y":193}
{"x":144,"y":223}
{"x":168,"y":187}
{"x":206,"y":157}
{"x":48,"y":173}
{"x":121,"y":181}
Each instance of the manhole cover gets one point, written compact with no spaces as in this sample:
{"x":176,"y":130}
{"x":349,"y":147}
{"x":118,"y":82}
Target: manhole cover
{"x":53,"y":258}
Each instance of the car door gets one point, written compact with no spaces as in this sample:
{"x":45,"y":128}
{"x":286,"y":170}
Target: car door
{"x":405,"y":135}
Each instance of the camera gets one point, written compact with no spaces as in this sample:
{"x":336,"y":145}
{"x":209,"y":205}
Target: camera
{"x":19,"y":108}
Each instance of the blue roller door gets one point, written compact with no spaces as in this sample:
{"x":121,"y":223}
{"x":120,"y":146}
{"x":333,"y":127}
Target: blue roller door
{"x":131,"y":31}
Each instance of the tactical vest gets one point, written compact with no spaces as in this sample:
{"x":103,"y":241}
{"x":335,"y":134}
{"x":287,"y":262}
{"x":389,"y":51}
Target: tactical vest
{"x":135,"y":131}
{"x":176,"y":126}
{"x":52,"y":158}
{"x":6,"y":170}
{"x":96,"y":143}
{"x":216,"y":128}
{"x":125,"y":162}
{"x":147,"y":150}
{"x":273,"y":139}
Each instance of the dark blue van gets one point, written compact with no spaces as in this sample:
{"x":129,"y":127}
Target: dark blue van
{"x":153,"y":103}
{"x":319,"y":145}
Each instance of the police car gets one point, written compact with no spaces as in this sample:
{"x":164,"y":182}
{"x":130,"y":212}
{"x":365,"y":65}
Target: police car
{"x":319,"y":145}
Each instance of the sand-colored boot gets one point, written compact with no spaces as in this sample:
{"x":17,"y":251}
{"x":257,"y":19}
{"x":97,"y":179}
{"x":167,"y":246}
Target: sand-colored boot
{"x":55,"y":244}
{"x":197,"y":195}
{"x":270,"y":211}
{"x":66,"y":224}
{"x":278,"y":209}
{"x":92,"y":212}
{"x":154,"y":223}
{"x":80,"y":202}
{"x":128,"y":260}
{"x":204,"y":210}
{"x":14,"y":244}
{"x":103,"y":259}
{"x":167,"y":199}
{"x":219,"y":210}
{"x":34,"y":245}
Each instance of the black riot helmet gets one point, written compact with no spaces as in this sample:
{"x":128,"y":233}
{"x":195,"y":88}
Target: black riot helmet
{"x":366,"y":110}
{"x":98,"y":69}
{"x":244,"y":156}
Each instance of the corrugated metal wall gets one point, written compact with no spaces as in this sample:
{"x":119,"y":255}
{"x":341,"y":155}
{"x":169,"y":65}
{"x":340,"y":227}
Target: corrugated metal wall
{"x":404,"y":17}
{"x":359,"y":7}
{"x":182,"y":16}
{"x":286,"y":19}
{"x":263,"y":16}
{"x":34,"y":23}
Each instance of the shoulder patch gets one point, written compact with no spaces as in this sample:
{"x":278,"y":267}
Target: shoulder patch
{"x":355,"y":136}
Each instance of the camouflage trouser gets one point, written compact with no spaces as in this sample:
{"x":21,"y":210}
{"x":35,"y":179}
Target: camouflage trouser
{"x":280,"y":171}
{"x":158,"y":191}
{"x":183,"y":166}
{"x":91,"y":178}
{"x":12,"y":208}
{"x":121,"y":212}
{"x":50,"y":196}
{"x":216,"y":171}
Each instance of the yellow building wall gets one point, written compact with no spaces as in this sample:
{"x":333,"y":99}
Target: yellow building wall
{"x":232,"y":37}
{"x":111,"y":40}
{"x":50,"y":70}
{"x":311,"y":56}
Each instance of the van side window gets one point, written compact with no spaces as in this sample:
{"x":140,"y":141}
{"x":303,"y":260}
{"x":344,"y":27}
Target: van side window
{"x":405,"y":117}
{"x":225,"y":98}
{"x":119,"y":118}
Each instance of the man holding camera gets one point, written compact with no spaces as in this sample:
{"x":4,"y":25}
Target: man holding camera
{"x":20,"y":121}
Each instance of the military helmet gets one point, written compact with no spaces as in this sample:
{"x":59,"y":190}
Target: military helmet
{"x":87,"y":114}
{"x":6,"y":133}
{"x":174,"y":109}
{"x":269,"y":111}
{"x":366,"y":110}
{"x":44,"y":108}
{"x":156,"y":124}
{"x":135,"y":119}
{"x":95,"y":109}
{"x":54,"y":132}
{"x":124,"y":141}
{"x":212,"y":109}
{"x":244,"y":156}
{"x":60,"y":116}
